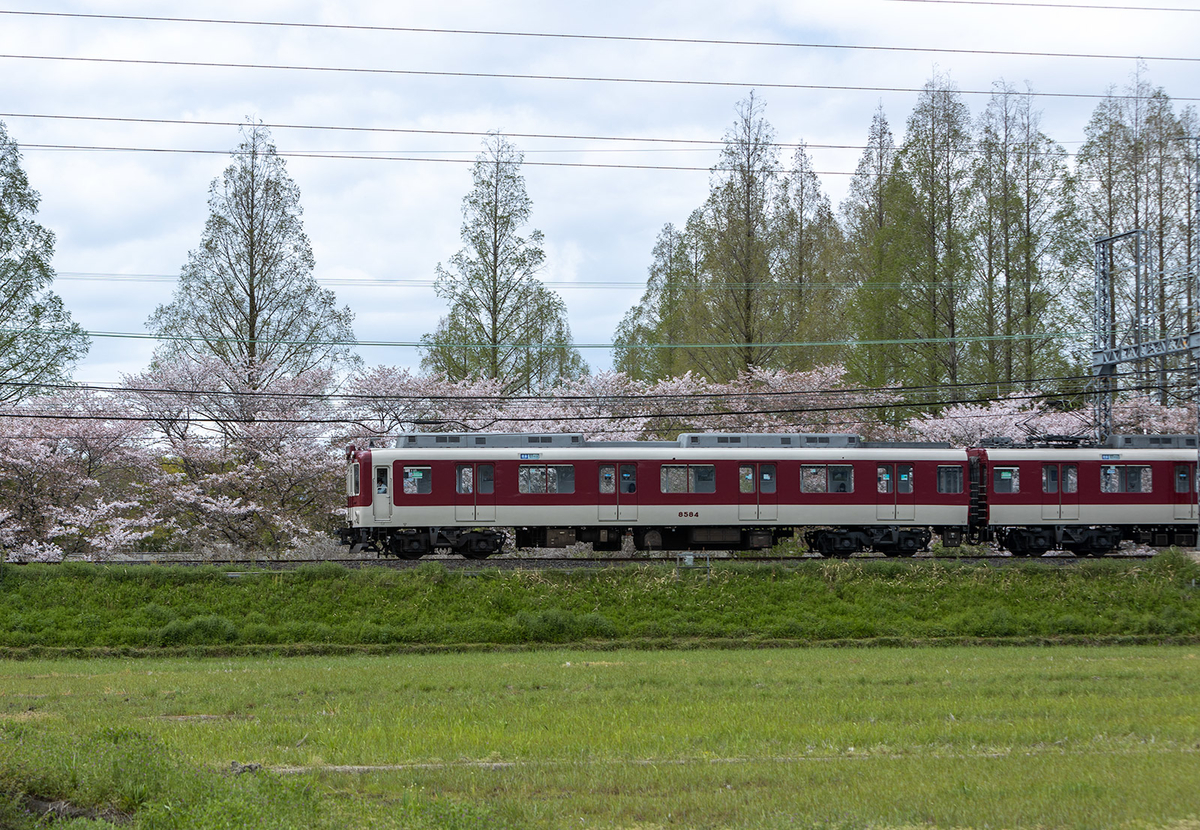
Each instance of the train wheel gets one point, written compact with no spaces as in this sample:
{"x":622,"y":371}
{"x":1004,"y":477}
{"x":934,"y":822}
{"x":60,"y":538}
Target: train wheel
{"x":1028,"y":542}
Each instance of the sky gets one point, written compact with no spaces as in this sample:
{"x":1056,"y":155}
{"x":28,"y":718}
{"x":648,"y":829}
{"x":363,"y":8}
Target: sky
{"x":114,"y":145}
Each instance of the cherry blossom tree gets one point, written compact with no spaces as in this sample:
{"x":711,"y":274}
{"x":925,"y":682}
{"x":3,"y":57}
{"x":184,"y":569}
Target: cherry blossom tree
{"x":1020,"y":416}
{"x":244,"y":463}
{"x":390,"y":400}
{"x":73,"y":477}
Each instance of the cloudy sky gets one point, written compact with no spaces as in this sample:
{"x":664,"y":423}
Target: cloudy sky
{"x":380,"y":122}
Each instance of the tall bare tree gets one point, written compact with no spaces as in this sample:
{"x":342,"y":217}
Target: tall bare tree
{"x":1018,"y":180}
{"x":744,"y":303}
{"x":870,"y":259}
{"x":936,"y":161}
{"x":503,"y":323}
{"x":247,"y":295}
{"x":810,"y":266}
{"x":656,"y":338}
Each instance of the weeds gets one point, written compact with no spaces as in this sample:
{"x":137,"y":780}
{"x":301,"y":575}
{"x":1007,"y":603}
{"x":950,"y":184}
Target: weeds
{"x":78,"y":605}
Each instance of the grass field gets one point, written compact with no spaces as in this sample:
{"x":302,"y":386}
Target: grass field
{"x":148,"y":608}
{"x":934,"y":737}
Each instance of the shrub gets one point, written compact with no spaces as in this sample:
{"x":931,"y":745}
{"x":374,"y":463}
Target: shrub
{"x":558,"y":626}
{"x":198,"y":631}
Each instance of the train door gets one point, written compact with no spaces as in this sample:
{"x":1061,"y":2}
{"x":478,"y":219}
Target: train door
{"x":475,"y":493}
{"x":757,"y":500}
{"x":1185,"y":491}
{"x":906,"y":497}
{"x":381,"y":501}
{"x":895,"y":499}
{"x":1060,"y":492}
{"x":618,"y":493}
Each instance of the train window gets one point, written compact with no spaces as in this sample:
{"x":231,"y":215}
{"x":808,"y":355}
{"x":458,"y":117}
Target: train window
{"x":353,"y":482}
{"x":904,"y":478}
{"x":813,"y":479}
{"x":831,"y":478}
{"x":418,"y":481}
{"x":1006,"y":479}
{"x":541,"y":478}
{"x":688,"y":478}
{"x":1125,"y":478}
{"x":841,"y":478}
{"x":531,"y":478}
{"x":1070,"y":478}
{"x":560,"y":478}
{"x":766,"y":473}
{"x":628,"y":478}
{"x":746,"y":479}
{"x":672,"y":478}
{"x":487,"y":478}
{"x":381,"y":480}
{"x":465,"y":479}
{"x":950,"y":478}
{"x":883,"y":478}
{"x":1183,"y":477}
{"x":1060,"y":477}
{"x":608,"y":478}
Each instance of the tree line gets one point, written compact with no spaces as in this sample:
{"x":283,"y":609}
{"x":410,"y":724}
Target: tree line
{"x":963,"y":254}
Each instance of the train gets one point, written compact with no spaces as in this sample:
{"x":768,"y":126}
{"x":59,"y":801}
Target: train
{"x":463,"y":493}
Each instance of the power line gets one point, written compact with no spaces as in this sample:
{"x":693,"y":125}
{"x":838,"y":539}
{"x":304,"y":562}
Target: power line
{"x":582,"y":400}
{"x":576,"y":36}
{"x":370,"y":156}
{"x":364,"y":157}
{"x":1057,"y":335}
{"x":706,"y":142}
{"x":512,"y":76}
{"x":589,"y":285}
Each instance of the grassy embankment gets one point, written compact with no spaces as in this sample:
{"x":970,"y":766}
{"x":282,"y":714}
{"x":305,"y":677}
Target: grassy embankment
{"x":1066,"y":737}
{"x":329,"y":608}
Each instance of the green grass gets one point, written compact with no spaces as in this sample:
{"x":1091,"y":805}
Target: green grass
{"x":1065,"y":737}
{"x":82,"y":606}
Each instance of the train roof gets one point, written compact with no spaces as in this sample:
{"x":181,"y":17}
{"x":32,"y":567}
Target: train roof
{"x":719,"y":440}
{"x":759,"y":446}
{"x":750,"y":446}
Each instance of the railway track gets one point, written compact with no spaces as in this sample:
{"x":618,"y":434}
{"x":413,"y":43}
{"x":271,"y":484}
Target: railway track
{"x":681,"y":560}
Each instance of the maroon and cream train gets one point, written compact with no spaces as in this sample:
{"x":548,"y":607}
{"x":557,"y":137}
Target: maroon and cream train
{"x":746,"y":491}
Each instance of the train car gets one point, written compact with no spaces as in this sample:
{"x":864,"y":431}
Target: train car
{"x":710,"y":491}
{"x":1088,"y":499}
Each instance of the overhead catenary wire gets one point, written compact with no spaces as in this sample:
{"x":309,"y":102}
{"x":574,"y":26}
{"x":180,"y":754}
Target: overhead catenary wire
{"x":1056,"y":335}
{"x":517,"y":76}
{"x":375,"y":156}
{"x":574,"y":399}
{"x":691,"y":41}
{"x":419,"y":282}
{"x":706,"y":142}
